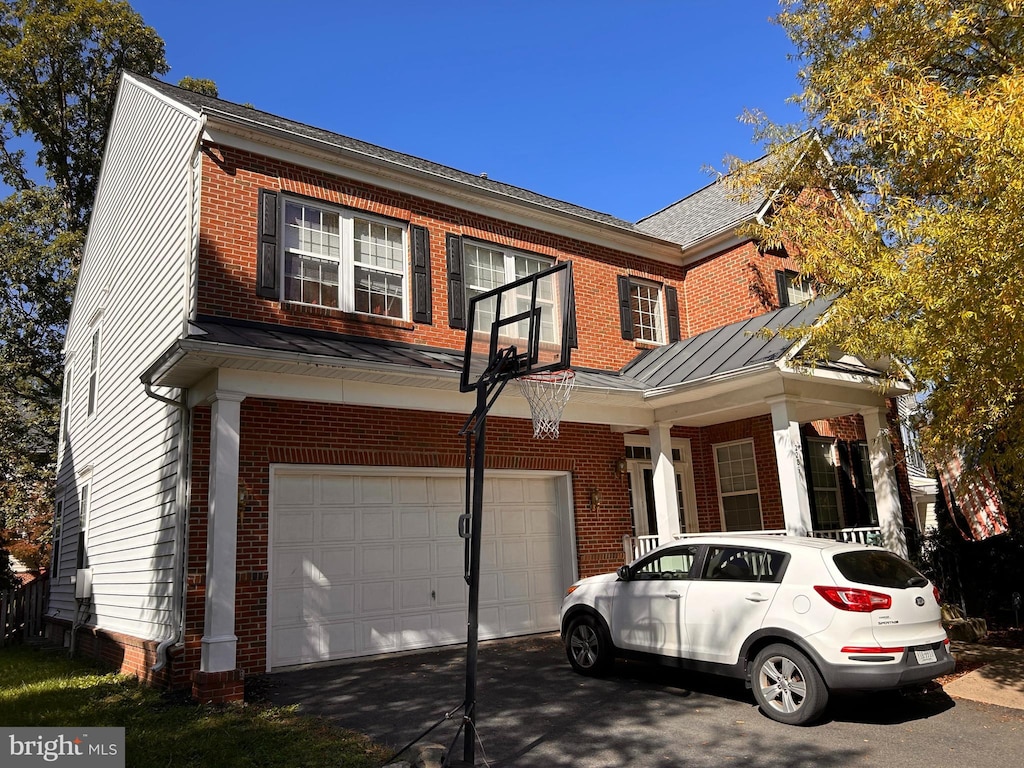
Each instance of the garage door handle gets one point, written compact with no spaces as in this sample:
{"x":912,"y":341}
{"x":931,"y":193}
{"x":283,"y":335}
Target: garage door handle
{"x":672,"y":595}
{"x":756,"y":597}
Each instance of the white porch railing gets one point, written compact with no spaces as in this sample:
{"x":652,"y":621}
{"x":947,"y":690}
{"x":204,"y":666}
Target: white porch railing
{"x":635,"y":546}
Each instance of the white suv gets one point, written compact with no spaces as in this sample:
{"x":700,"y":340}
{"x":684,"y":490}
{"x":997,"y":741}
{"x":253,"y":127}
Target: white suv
{"x":794,"y":617}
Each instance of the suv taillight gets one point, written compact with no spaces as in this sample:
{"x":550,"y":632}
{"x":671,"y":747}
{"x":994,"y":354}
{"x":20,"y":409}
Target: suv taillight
{"x":857,"y":600}
{"x":938,"y":595}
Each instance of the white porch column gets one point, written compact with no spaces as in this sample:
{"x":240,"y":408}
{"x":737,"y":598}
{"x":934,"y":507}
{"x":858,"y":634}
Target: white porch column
{"x":666,"y":503}
{"x":219,"y":641}
{"x":883,"y":474}
{"x":789,"y":456}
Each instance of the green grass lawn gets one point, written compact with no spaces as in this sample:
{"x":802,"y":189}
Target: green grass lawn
{"x":45,"y":688}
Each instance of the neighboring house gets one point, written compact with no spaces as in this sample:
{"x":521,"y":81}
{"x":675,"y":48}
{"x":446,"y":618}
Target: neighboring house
{"x":260,"y":463}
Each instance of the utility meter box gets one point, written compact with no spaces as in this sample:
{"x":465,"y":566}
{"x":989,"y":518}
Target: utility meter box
{"x":83,"y":583}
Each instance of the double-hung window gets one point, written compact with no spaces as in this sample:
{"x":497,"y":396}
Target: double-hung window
{"x":648,"y":311}
{"x":489,"y":266}
{"x":793,"y":288}
{"x":737,"y":486}
{"x":648,"y":314}
{"x":344,"y":260}
{"x":94,"y":371}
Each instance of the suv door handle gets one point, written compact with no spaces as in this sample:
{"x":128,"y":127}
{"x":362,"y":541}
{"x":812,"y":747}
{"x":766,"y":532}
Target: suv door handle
{"x":673,"y":595}
{"x":756,"y":597}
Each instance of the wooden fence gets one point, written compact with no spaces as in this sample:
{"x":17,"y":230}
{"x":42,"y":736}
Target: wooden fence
{"x":21,"y":611}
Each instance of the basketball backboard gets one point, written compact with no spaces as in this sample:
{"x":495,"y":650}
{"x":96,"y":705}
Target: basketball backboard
{"x":519,"y":328}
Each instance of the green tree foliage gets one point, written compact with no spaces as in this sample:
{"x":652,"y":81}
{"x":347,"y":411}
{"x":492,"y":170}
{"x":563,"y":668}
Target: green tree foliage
{"x":199,"y":85}
{"x":914,"y":208}
{"x":60,"y":64}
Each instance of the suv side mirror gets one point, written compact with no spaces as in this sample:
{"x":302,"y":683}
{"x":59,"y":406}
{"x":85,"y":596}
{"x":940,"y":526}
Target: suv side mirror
{"x":623,"y":573}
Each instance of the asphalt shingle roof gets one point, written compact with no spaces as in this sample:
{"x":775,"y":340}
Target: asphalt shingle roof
{"x":266,"y":120}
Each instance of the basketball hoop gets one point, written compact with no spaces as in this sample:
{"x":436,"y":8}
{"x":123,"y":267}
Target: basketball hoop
{"x":547,"y":393}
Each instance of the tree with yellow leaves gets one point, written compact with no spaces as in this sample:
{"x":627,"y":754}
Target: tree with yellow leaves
{"x":906,"y":199}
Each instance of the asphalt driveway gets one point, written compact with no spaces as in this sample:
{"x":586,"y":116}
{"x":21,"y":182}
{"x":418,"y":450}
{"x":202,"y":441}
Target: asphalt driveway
{"x":534,"y":711}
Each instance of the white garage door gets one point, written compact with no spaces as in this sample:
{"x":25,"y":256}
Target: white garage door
{"x":371,"y":563}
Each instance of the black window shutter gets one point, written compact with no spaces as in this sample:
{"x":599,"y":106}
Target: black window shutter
{"x":625,"y":308}
{"x":266,"y":257}
{"x":456,"y":282}
{"x":672,"y":313}
{"x":422,"y":311}
{"x":782,"y":283}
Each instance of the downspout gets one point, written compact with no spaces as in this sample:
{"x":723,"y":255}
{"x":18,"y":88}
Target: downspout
{"x":183,"y":490}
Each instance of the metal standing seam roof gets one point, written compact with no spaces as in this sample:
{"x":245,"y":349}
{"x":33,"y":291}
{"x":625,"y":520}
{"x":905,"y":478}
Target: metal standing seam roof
{"x":724,"y":350}
{"x":250,"y":337}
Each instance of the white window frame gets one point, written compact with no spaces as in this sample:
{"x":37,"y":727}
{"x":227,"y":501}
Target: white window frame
{"x":756,"y":491}
{"x":56,"y":545}
{"x":799,"y":288}
{"x":82,"y":545}
{"x":654,"y":331}
{"x":346,"y":261}
{"x":509,"y":257}
{"x":93,"y":382}
{"x":65,"y":404}
{"x":686,"y":492}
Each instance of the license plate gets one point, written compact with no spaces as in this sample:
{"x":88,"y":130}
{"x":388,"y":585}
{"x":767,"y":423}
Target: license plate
{"x":927,"y":656}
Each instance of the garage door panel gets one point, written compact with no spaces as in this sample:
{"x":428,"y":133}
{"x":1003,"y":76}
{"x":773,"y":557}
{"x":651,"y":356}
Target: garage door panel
{"x":337,"y":490}
{"x":294,"y":489}
{"x":377,"y":560}
{"x":374,"y":564}
{"x":512,"y":521}
{"x":515,"y":586}
{"x":414,"y":595}
{"x":378,"y":635}
{"x":292,"y":566}
{"x":338,"y":639}
{"x":508,"y":491}
{"x":451,"y":590}
{"x":375,"y":490}
{"x":411,"y":490}
{"x":377,"y":597}
{"x":415,"y":558}
{"x":448,"y":490}
{"x":337,"y":524}
{"x":414,"y":523}
{"x":377,"y":524}
{"x":295,"y":526}
{"x":296,"y":645}
{"x":451,"y":558}
{"x":514,"y":553}
{"x":542,"y":522}
{"x":336,"y":563}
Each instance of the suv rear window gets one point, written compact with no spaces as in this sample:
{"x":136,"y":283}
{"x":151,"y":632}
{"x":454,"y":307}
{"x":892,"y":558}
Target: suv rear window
{"x":879,"y":569}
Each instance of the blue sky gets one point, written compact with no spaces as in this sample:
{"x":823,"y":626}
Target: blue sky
{"x":616,"y":106}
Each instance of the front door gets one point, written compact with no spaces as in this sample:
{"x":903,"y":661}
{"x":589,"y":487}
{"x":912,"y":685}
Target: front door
{"x":640,"y":476}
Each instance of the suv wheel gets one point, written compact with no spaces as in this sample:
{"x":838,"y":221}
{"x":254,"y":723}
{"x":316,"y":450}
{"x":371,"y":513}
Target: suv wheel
{"x":587,"y":646}
{"x":787,"y":686}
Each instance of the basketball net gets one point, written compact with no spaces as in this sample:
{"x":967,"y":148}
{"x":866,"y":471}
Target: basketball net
{"x":547,"y":393}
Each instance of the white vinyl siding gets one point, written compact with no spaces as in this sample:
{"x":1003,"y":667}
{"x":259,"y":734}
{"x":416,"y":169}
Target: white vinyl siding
{"x":138,"y":272}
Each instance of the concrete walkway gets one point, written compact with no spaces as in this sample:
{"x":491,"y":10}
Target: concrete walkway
{"x":1000,"y":679}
